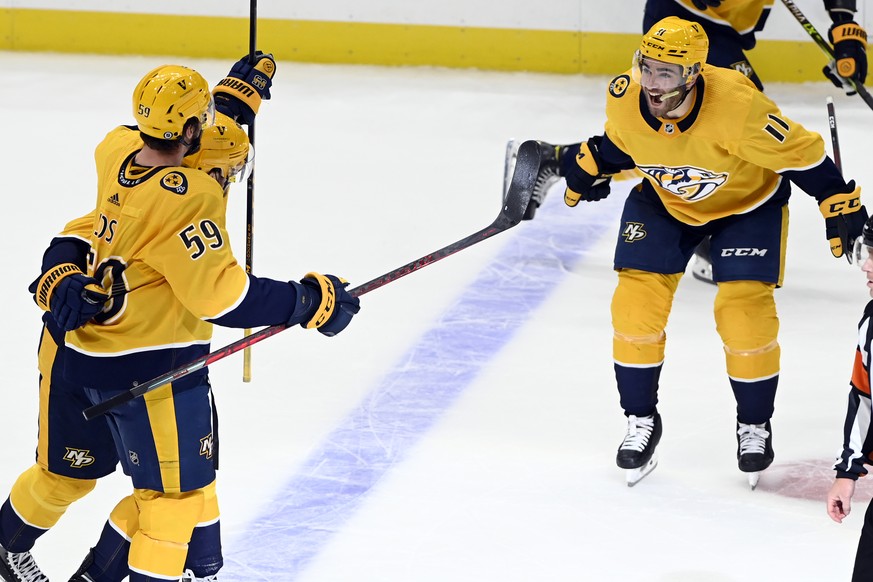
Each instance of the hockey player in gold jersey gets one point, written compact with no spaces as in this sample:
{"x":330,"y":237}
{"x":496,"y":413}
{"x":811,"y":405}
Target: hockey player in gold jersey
{"x":717,"y":156}
{"x":732,"y":26}
{"x":224,"y":155}
{"x":159,"y":224}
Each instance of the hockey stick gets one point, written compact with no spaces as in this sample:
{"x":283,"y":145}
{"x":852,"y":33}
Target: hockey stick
{"x":514,"y":206}
{"x":835,"y":141}
{"x":250,"y":187}
{"x":824,"y":46}
{"x":842,"y":224}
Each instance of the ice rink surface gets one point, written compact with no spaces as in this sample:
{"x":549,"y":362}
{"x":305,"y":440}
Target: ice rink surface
{"x":464,"y":427}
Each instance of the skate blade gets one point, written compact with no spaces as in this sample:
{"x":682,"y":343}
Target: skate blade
{"x":702,"y":274}
{"x":753,"y":479}
{"x":634,"y":476}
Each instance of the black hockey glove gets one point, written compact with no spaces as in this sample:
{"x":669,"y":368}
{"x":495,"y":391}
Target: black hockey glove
{"x":844,"y":220}
{"x":581,"y":168}
{"x":239,"y":94}
{"x":72,"y":297}
{"x":704,"y":4}
{"x":329,"y":307}
{"x":850,"y":54}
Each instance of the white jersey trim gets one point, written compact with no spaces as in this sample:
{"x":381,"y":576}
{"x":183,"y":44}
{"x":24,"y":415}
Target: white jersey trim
{"x":137,"y":350}
{"x":804,"y":168}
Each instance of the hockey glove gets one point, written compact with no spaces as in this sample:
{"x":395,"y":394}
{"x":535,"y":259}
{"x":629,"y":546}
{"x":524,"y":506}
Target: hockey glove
{"x":334,"y":306}
{"x":844,"y":220}
{"x":239,"y":94}
{"x":582,"y":172}
{"x":72,"y":297}
{"x":704,"y":4}
{"x":850,"y":55}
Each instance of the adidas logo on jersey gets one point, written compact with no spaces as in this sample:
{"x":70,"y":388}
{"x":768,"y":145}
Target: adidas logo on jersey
{"x":114,"y":199}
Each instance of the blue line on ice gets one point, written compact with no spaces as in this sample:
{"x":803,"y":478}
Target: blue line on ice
{"x":334,"y":481}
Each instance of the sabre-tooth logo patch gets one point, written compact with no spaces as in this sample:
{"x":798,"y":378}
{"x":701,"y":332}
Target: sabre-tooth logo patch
{"x":175,"y":182}
{"x":633,"y":231}
{"x":134,"y":457}
{"x":78,"y":458}
{"x":689,"y":183}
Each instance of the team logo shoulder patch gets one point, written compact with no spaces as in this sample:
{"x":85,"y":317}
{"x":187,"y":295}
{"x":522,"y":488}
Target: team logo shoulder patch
{"x":175,"y":182}
{"x":743,"y":67}
{"x":619,"y":85}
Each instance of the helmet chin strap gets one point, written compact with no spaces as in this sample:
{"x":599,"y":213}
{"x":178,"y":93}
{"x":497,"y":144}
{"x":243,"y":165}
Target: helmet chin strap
{"x":192,"y":146}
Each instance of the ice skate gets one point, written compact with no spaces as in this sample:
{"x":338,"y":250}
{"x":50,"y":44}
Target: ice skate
{"x":81,"y":574}
{"x":546,"y":176}
{"x":637,"y":451}
{"x":19,"y":567}
{"x":702,"y":270}
{"x":754,"y":449}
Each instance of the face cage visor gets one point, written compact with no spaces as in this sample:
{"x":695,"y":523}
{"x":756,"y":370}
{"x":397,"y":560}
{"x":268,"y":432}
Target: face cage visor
{"x":242,"y":171}
{"x":860,"y":252}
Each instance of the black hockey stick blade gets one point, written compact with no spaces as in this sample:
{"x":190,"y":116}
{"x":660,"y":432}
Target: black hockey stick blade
{"x":517,"y":199}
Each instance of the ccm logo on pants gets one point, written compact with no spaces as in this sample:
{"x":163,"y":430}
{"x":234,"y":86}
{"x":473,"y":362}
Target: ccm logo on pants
{"x":743,"y":252}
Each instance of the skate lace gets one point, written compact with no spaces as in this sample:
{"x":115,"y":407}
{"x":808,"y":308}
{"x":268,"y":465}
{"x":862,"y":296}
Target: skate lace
{"x":188,"y":576}
{"x":753,"y":438}
{"x":24,"y":566}
{"x":639,"y":431}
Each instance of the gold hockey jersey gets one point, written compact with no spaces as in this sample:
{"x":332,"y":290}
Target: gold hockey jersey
{"x":724,"y":157}
{"x":158,"y":241}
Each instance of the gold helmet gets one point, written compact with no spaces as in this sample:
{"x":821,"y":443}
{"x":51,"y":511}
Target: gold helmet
{"x":169,"y":96}
{"x":677,"y":41}
{"x":223,"y":147}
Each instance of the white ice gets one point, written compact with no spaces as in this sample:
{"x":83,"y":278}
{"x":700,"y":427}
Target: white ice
{"x":464,"y":427}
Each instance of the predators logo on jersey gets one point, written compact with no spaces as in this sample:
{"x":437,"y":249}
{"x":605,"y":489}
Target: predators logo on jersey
{"x":78,"y":457}
{"x":206,"y":446}
{"x":725,"y":156}
{"x":633,"y":231}
{"x":175,"y":182}
{"x":689,"y":183}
